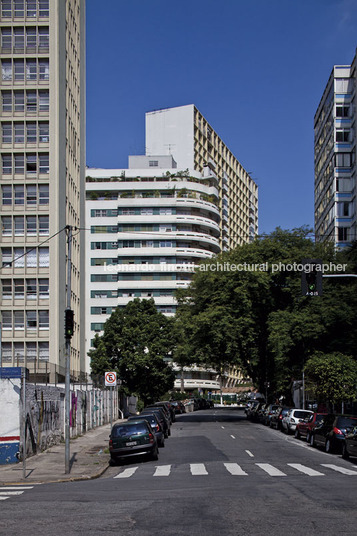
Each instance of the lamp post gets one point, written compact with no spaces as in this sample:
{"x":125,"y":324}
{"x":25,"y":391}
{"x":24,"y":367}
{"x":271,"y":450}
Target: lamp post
{"x":68,"y":335}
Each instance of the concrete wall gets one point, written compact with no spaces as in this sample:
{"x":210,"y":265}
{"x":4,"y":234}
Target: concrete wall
{"x":45,"y":406}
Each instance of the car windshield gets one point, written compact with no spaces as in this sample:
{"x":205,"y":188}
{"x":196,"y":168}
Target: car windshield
{"x":346,"y":422}
{"x":129,"y":430}
{"x":319,"y":418}
{"x":301,"y":414}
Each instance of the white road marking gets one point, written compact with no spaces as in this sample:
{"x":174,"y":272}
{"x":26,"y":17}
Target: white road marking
{"x":270,"y":469}
{"x":250,"y":454}
{"x":4,"y":498}
{"x":339,"y":469}
{"x":232,"y":436}
{"x":198,"y":469}
{"x":305,"y":470}
{"x":222,"y":427}
{"x":127,"y":472}
{"x":162,"y":470}
{"x":15,"y":488}
{"x":235,"y":469}
{"x":11,"y":492}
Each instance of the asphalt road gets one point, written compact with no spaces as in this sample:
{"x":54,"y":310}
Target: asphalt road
{"x":218,"y":474}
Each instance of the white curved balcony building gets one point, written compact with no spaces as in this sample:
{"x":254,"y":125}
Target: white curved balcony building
{"x":148,"y":230}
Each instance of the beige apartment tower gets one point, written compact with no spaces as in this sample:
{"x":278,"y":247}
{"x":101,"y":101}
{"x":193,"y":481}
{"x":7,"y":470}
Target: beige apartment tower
{"x":42,"y":115}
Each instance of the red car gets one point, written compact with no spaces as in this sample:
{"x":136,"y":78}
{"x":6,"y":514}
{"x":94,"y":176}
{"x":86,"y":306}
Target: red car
{"x":303,"y":429}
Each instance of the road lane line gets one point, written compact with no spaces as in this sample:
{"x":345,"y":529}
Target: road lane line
{"x":11,"y":492}
{"x":127,"y":472}
{"x":162,"y":470}
{"x":15,"y":487}
{"x":198,"y":469}
{"x":4,"y":498}
{"x":232,"y":436}
{"x":235,"y":469}
{"x":270,"y":469}
{"x":305,"y":470}
{"x":339,"y":469}
{"x":249,"y":453}
{"x":222,"y":427}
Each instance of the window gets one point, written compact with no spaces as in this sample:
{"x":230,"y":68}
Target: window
{"x":6,"y":195}
{"x":19,"y":99}
{"x":6,"y":70}
{"x":43,"y":8}
{"x":44,"y":70}
{"x":6,"y":132}
{"x":19,"y":39}
{"x":31,"y":351}
{"x":6,"y":223}
{"x":31,"y":163}
{"x":31,"y":258}
{"x":43,"y":194}
{"x":43,"y":319}
{"x":31,"y":133}
{"x":44,"y":162}
{"x":44,"y":132}
{"x":19,"y":289}
{"x":31,"y":38}
{"x":31,"y":319}
{"x":19,"y":258}
{"x":31,"y":70}
{"x":6,"y":289}
{"x":31,"y":195}
{"x":19,"y":8}
{"x":31,"y":101}
{"x":31,"y":289}
{"x":19,"y":194}
{"x":44,"y":100}
{"x":342,"y":135}
{"x":19,"y":352}
{"x":31,"y":8}
{"x":31,"y":225}
{"x":43,"y":38}
{"x":44,"y":257}
{"x":6,"y":319}
{"x":342,"y":234}
{"x":19,"y":70}
{"x":19,"y":320}
{"x":6,"y":257}
{"x":43,"y":289}
{"x":19,"y":164}
{"x":343,"y":159}
{"x":6,"y":8}
{"x":43,"y":351}
{"x":19,"y":131}
{"x":6,"y":101}
{"x":6,"y":39}
{"x":153,"y":163}
{"x":19,"y":225}
{"x":6,"y":164}
{"x":342,"y":110}
{"x":44,"y":225}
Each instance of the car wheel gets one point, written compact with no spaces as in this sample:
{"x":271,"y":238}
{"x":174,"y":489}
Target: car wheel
{"x":297,"y":434}
{"x":169,"y":432}
{"x":155,"y":454}
{"x":112,"y":462}
{"x":345,"y":454}
{"x":328,"y":446}
{"x":307,"y":438}
{"x":312,"y":441}
{"x":162,"y":443}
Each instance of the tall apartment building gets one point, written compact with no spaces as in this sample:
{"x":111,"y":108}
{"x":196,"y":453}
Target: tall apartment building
{"x":185,"y":134}
{"x":42,"y":115}
{"x":335,"y":158}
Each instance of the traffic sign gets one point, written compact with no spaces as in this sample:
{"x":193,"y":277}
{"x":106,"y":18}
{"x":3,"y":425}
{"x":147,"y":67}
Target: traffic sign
{"x":110,"y":379}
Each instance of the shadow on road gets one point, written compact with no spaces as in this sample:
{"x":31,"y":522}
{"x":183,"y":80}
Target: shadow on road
{"x":214,"y":415}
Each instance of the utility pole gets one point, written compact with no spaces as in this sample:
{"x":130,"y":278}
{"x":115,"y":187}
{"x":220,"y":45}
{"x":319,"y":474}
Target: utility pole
{"x":68,"y":335}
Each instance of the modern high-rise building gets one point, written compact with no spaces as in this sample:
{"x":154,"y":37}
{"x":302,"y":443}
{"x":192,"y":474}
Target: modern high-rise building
{"x":335,"y":158}
{"x":42,"y":115}
{"x":185,"y":134}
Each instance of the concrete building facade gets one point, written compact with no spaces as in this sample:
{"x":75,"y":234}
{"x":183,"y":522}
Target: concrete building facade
{"x":42,"y":181}
{"x":335,"y":158}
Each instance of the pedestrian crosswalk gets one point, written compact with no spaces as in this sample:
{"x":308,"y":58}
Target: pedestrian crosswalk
{"x":6,"y":492}
{"x":234,"y":469}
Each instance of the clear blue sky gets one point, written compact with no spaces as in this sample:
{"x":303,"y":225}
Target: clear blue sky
{"x":256,"y":69}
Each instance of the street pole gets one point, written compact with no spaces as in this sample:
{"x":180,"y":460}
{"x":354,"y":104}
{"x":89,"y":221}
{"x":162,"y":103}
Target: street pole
{"x":68,"y":353}
{"x":303,"y":388}
{"x":24,"y":423}
{"x":111,"y":407}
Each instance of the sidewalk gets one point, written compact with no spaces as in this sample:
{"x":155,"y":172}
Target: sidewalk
{"x":89,"y":459}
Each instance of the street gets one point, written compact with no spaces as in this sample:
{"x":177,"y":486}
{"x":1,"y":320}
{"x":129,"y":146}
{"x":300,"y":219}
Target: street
{"x":218,"y":474}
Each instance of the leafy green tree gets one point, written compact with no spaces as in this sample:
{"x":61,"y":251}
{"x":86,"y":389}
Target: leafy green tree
{"x":333,"y":377}
{"x":135,"y":343}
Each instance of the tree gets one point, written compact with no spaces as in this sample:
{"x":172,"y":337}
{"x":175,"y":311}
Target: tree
{"x":135,"y":341}
{"x":333,"y":377}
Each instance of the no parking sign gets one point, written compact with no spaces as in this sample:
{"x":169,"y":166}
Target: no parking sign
{"x":110,"y":379}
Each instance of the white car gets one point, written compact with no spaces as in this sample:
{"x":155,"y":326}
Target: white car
{"x":292,"y":418}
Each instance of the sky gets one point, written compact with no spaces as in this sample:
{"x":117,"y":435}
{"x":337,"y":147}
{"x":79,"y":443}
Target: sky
{"x":256,"y":70}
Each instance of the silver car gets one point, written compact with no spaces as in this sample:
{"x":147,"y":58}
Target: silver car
{"x":292,"y":418}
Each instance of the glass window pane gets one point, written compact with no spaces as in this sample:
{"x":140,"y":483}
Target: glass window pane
{"x":31,"y":351}
{"x":43,"y":37}
{"x":31,"y":133}
{"x":31,"y":101}
{"x":6,"y":319}
{"x":44,"y":159}
{"x":6,"y":289}
{"x":19,"y":164}
{"x":44,"y":69}
{"x":19,"y":38}
{"x":6,"y":101}
{"x":43,"y":7}
{"x":6,"y":8}
{"x":31,"y":163}
{"x":44,"y":100}
{"x":44,"y":257}
{"x":6,"y":195}
{"x":19,"y":132}
{"x":19,"y":225}
{"x":31,"y":194}
{"x":6,"y":69}
{"x":44,"y":225}
{"x":19,"y":257}
{"x":31,"y":70}
{"x":31,"y":289}
{"x":6,"y":39}
{"x":6,"y":164}
{"x":19,"y":194}
{"x":43,"y":319}
{"x":31,"y":37}
{"x":31,"y":319}
{"x":43,"y":351}
{"x":43,"y":289}
{"x":19,"y":8}
{"x":6,"y":257}
{"x":18,"y":352}
{"x":6,"y":222}
{"x":19,"y":101}
{"x":44,"y":132}
{"x":43,"y":192}
{"x":31,"y":225}
{"x":19,"y":289}
{"x":31,"y":258}
{"x":19,"y":320}
{"x":19,"y":69}
{"x":6,"y":132}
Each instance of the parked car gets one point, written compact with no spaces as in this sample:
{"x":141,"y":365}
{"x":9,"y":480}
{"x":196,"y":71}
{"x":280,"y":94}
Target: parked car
{"x":132,"y":438}
{"x":292,"y":418}
{"x":303,"y":429}
{"x":349,"y":444}
{"x":330,"y":432}
{"x":254,"y":413}
{"x":155,"y":426}
{"x":179,"y":407}
{"x":267,"y":413}
{"x":162,"y":418}
{"x":277,"y":417}
{"x":169,"y":408}
{"x":250,"y":406}
{"x":164,"y":408}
